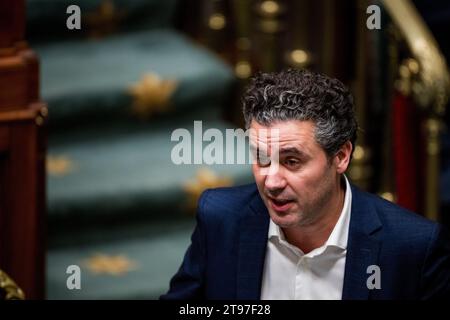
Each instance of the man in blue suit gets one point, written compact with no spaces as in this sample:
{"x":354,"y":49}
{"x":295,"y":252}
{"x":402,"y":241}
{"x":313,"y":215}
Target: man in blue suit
{"x":303,"y":231}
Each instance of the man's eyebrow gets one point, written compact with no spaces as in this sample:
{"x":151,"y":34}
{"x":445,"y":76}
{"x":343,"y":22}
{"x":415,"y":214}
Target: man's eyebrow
{"x":293,"y":150}
{"x":286,"y":150}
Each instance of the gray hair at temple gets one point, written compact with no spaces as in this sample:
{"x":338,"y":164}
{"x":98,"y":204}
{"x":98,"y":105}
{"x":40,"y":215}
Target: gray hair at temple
{"x":303,"y":95}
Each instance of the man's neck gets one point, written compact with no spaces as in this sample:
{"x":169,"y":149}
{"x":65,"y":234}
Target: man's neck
{"x":314,"y":235}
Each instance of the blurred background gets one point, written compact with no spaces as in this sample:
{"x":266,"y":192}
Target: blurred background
{"x":86,"y":117}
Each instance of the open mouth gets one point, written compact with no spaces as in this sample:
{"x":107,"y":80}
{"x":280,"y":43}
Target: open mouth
{"x":281,"y":204}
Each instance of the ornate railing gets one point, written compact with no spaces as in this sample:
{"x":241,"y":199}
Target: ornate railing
{"x":9,"y":290}
{"x":427,"y":81}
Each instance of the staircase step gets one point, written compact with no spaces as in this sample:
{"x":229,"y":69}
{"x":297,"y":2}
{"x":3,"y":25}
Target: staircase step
{"x":46,"y":19}
{"x":153,"y":255}
{"x":123,"y":174}
{"x":89,"y":81}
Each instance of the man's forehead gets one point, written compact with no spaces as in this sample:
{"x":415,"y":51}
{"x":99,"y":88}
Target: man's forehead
{"x":289,"y":131}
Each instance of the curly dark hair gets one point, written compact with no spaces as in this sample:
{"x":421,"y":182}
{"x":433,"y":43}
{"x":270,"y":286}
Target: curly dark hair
{"x":303,"y":95}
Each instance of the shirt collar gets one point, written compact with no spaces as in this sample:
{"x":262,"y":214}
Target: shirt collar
{"x":339,"y":235}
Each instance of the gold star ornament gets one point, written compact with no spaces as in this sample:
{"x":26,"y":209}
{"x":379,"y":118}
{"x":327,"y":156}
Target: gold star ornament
{"x":104,"y":20}
{"x":115,"y":265}
{"x":151,"y":95}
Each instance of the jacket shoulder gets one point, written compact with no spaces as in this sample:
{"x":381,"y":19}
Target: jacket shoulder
{"x":228,"y":201}
{"x":394,"y":214}
{"x":399,"y":222}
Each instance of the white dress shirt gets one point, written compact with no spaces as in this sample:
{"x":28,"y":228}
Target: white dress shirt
{"x":289,"y":274}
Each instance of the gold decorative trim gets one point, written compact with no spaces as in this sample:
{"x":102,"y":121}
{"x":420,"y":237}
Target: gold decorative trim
{"x":407,"y":71}
{"x":432,"y":128}
{"x":298,"y":58}
{"x":360,"y":170}
{"x":12,"y":290}
{"x":432,"y":84}
{"x":387,"y":195}
{"x":217,"y":21}
{"x":243,"y":67}
{"x":270,"y":23}
{"x":270,"y":8}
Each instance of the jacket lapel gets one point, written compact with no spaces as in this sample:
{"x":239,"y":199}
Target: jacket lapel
{"x":362,"y":248}
{"x":252,"y":250}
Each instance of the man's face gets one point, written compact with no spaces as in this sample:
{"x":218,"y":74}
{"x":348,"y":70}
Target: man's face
{"x":304,"y":180}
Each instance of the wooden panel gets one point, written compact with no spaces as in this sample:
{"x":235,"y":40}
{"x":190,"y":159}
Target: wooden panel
{"x":4,"y":139}
{"x":12,"y":22}
{"x":22,"y":156}
{"x":13,"y":82}
{"x":21,"y":218}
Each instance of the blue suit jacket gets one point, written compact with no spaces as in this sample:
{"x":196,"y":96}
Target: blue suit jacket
{"x":226,"y":257}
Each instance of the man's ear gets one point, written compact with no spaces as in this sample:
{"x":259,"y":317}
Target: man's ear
{"x":342,"y":157}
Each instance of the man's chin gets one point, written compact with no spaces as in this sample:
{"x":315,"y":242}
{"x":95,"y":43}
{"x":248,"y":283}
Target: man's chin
{"x":283,"y":220}
{"x":289,"y":219}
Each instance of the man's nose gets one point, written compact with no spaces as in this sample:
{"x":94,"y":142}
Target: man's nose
{"x":275,"y":182}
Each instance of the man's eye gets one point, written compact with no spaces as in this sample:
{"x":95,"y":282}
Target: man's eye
{"x":292,"y":163}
